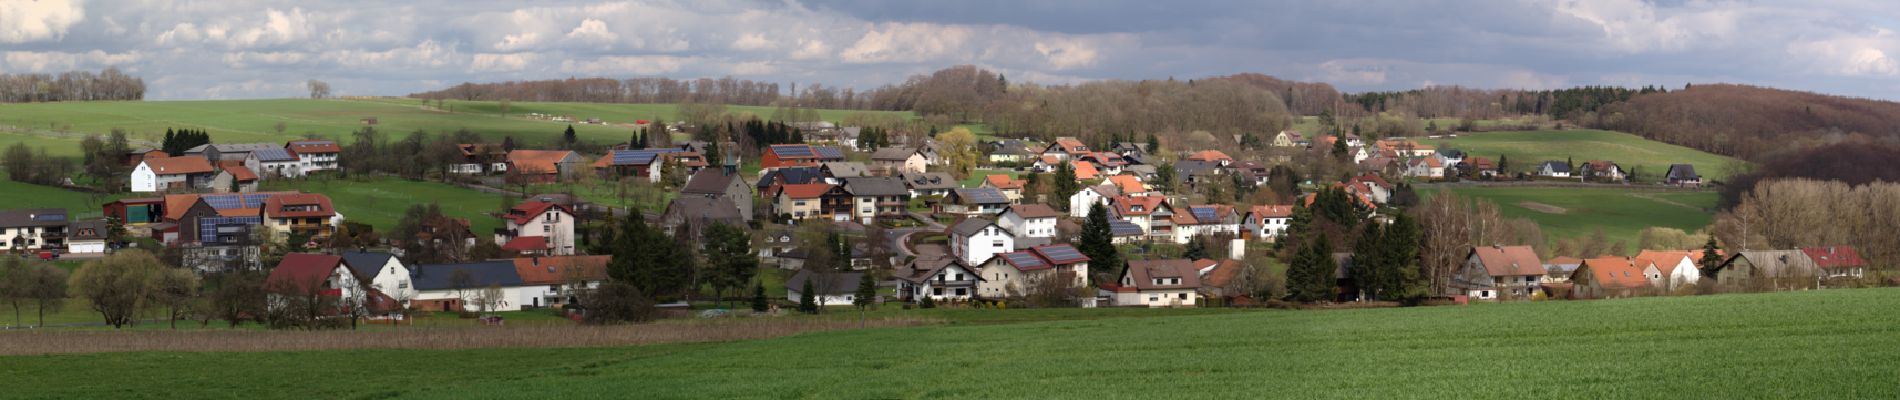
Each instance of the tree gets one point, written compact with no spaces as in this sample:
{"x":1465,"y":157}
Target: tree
{"x":867,"y":292}
{"x":1154,"y":144}
{"x":14,"y":284}
{"x":758,"y":298}
{"x":1164,"y":177}
{"x":807,"y":303}
{"x":647,"y":259}
{"x":1098,"y":240}
{"x":1065,"y":185}
{"x":318,"y":90}
{"x":568,"y":138}
{"x":1710,"y":263}
{"x":960,"y":147}
{"x":118,"y":285}
{"x":236,"y":294}
{"x":1339,"y":148}
{"x":48,"y":289}
{"x":729,"y":257}
{"x":1310,"y":275}
{"x":1196,"y":248}
{"x":175,"y":290}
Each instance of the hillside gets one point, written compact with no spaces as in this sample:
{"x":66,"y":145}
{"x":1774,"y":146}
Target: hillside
{"x":1781,"y":345}
{"x":1526,"y":149}
{"x":1571,"y":213}
{"x":1749,"y":121}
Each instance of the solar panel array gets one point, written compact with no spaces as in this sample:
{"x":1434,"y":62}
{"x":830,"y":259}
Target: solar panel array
{"x":1124,"y":228}
{"x":1061,"y":253}
{"x":828,"y":152}
{"x":1024,"y":260}
{"x":273,"y":154}
{"x":792,"y":151}
{"x":1205,"y":214}
{"x":208,"y":226}
{"x":983,"y":195}
{"x":49,"y":217}
{"x":220,"y":202}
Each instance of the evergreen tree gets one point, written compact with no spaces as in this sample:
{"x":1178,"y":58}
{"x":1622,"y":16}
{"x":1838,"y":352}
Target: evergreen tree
{"x":568,"y":138}
{"x":1154,"y":144}
{"x":1310,"y":277}
{"x":1339,"y":148}
{"x":645,"y":258}
{"x":1196,"y":248}
{"x":1406,"y":280}
{"x":758,"y":299}
{"x":508,"y":143}
{"x":807,"y":302}
{"x":1098,"y":241}
{"x":1710,"y":263}
{"x":867,"y":292}
{"x":728,"y":257}
{"x":1369,"y":267}
{"x":1065,"y":186}
{"x":1164,"y":177}
{"x":1504,"y":164}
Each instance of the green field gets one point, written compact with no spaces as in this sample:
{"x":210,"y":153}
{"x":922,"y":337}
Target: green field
{"x":1821,"y":344}
{"x":380,"y":202}
{"x":81,"y":205}
{"x":1526,"y":150}
{"x":1620,"y":213}
{"x":611,"y":112}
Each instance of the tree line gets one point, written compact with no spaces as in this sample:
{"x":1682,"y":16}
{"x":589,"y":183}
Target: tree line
{"x":107,"y":84}
{"x":1748,"y":122}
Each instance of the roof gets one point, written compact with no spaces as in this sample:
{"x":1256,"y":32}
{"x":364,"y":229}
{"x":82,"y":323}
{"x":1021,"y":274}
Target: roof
{"x":876,"y":186}
{"x":805,"y":190}
{"x":1666,"y":260}
{"x":893,"y":153}
{"x":930,"y":180}
{"x":470,"y":149}
{"x":1683,"y":172}
{"x":1066,"y":144}
{"x":33,"y":217}
{"x":712,"y":181}
{"x":1145,"y":271}
{"x":970,"y":226}
{"x":1509,"y":260}
{"x":1059,"y":254}
{"x":312,"y":147}
{"x":249,"y":203}
{"x":1616,"y":272}
{"x":529,"y":210}
{"x":240,"y":173}
{"x":526,"y":243}
{"x":274,"y":154}
{"x":791,"y":176}
{"x":1834,"y":256}
{"x":179,"y":165}
{"x":1023,"y":260}
{"x":87,"y":230}
{"x":1123,"y":228}
{"x":1187,"y":168}
{"x":699,"y":209}
{"x":537,"y":161}
{"x":981,"y":195}
{"x":842,"y":169}
{"x":367,"y":264}
{"x":1270,"y":211}
{"x":1033,"y":211}
{"x":233,"y":147}
{"x":300,"y":272}
{"x":1128,"y":184}
{"x":481,"y":274}
{"x":274,"y":206}
{"x":1429,"y":162}
{"x":924,"y":267}
{"x":836,"y":283}
{"x":559,"y":269}
{"x":1084,"y":170}
{"x":828,"y":152}
{"x":1003,"y":181}
{"x":1106,"y":190}
{"x":792,"y":151}
{"x":1223,"y":273}
{"x":1600,"y":165}
{"x":633,"y":157}
{"x":1125,"y":205}
{"x":1209,"y":155}
{"x":1777,"y":262}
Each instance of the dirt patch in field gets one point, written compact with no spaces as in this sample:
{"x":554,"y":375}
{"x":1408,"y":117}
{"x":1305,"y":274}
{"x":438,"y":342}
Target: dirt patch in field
{"x":1543,"y":208}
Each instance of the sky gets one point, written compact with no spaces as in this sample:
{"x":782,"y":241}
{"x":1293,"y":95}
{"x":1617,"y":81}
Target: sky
{"x":268,"y":49}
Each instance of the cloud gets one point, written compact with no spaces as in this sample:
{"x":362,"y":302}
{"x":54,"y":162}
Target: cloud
{"x":1638,"y":26}
{"x":55,"y":61}
{"x":592,"y":32}
{"x":1355,"y":72}
{"x":636,"y":65}
{"x":751,"y":42}
{"x":32,"y":21}
{"x":908,"y":43}
{"x":1851,"y":55}
{"x":278,"y":28}
{"x":491,"y":62}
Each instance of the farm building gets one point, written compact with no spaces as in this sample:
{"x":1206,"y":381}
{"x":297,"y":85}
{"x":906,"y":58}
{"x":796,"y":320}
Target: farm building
{"x":1494,"y":272}
{"x":828,"y":289}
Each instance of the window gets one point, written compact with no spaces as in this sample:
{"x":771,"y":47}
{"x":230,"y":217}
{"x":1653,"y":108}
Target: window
{"x":936,"y":291}
{"x":547,"y":228}
{"x":403,"y":285}
{"x":959,"y":277}
{"x":1184,"y":296}
{"x":960,"y":291}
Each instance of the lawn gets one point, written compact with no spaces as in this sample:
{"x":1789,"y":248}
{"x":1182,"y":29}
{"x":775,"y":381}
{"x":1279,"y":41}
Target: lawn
{"x":80,"y":205}
{"x":1527,"y":149}
{"x":1784,"y":345}
{"x":381,"y":201}
{"x":1620,"y":213}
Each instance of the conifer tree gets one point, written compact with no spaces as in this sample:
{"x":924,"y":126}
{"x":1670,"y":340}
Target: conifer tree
{"x":807,"y":303}
{"x":867,"y":292}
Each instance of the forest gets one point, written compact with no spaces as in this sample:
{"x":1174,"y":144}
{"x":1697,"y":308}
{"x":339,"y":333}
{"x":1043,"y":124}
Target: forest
{"x":108,"y":84}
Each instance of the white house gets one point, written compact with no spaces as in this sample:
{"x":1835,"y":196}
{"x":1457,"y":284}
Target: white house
{"x":1029,"y":221}
{"x":1082,"y":200}
{"x":1158,"y":283}
{"x":33,"y":229}
{"x":1267,"y":222}
{"x":1670,"y":270}
{"x":1427,"y":167}
{"x":538,"y":227}
{"x":829,"y":289}
{"x":1555,"y":169}
{"x":465,"y":287}
{"x":976,"y":240}
{"x":384,"y":272}
{"x":1016,"y":273}
{"x":171,"y":173}
{"x":273,"y":163}
{"x":1493,"y":272}
{"x":315,"y":155}
{"x":306,"y":275}
{"x":938,"y":278}
{"x":86,"y":237}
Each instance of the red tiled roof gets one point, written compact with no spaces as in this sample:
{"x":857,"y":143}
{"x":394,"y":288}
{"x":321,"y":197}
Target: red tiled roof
{"x":1617,"y":272}
{"x":1834,"y":256}
{"x":558,"y":269}
{"x":274,"y":206}
{"x":526,"y":243}
{"x":1067,"y":145}
{"x":537,"y":161}
{"x":1034,"y":211}
{"x":527,"y":211}
{"x":1001,"y":181}
{"x":1209,"y":155}
{"x":1124,"y":205}
{"x":1223,"y":273}
{"x":301,"y":272}
{"x":242,"y":174}
{"x":1509,"y":260}
{"x":1665,"y":261}
{"x":1084,"y":170}
{"x":1128,"y":183}
{"x":1271,"y":211}
{"x":179,"y":165}
{"x":804,"y":190}
{"x":313,"y":147}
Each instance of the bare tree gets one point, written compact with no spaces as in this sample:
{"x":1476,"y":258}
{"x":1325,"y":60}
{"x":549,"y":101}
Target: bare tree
{"x":175,"y":290}
{"x":318,"y":89}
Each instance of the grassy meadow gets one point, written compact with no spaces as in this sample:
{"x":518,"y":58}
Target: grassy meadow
{"x":80,"y":205}
{"x":1526,"y":150}
{"x":1819,"y":344}
{"x":381,"y":201}
{"x":1579,"y":212}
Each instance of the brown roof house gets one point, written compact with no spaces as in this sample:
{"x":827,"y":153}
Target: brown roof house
{"x":1495,"y":272}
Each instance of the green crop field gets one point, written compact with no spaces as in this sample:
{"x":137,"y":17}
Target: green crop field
{"x":380,"y":202}
{"x":1819,"y":344}
{"x":1526,"y":150}
{"x":78,"y":204}
{"x":1579,"y":212}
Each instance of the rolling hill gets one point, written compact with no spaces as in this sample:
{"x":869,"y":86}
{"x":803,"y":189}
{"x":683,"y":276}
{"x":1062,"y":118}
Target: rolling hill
{"x":1526,"y":149}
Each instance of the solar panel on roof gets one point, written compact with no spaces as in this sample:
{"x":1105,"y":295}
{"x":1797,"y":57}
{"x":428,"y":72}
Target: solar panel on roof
{"x":828,"y":152}
{"x":1062,"y":252}
{"x":1023,"y":260}
{"x":793,"y":151}
{"x":1204,"y":213}
{"x":50,"y":217}
{"x":985,"y":195}
{"x":208,"y":227}
{"x":635,"y":157}
{"x":1124,"y":228}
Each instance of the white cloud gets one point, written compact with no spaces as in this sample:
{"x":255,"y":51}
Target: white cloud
{"x":637,"y":65}
{"x":811,"y":49}
{"x":592,"y":32}
{"x":908,"y":43}
{"x":1354,"y":72}
{"x":54,"y":61}
{"x":491,"y":62}
{"x":1637,"y":26}
{"x":245,"y":59}
{"x":429,"y":54}
{"x":32,"y":21}
{"x":1851,"y":55}
{"x":750,"y":42}
{"x":1064,"y":53}
{"x":751,"y":68}
{"x":278,"y":28}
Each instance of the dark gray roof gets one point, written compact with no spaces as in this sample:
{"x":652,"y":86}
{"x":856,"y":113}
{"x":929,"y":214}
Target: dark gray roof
{"x":88,"y":230}
{"x":34,"y":217}
{"x":792,"y":176}
{"x":893,"y":153}
{"x":1555,"y":166}
{"x":875,"y":186}
{"x":845,"y":169}
{"x":1187,"y":168}
{"x":704,"y":209}
{"x":981,"y":195}
{"x":1683,"y":172}
{"x":971,"y":226}
{"x":482,"y":274}
{"x":1451,"y":153}
{"x":930,"y":180}
{"x":712,"y":180}
{"x":367,"y":265}
{"x":1123,"y":228}
{"x":840,"y":282}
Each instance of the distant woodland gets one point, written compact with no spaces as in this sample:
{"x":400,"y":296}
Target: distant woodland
{"x":109,"y":84}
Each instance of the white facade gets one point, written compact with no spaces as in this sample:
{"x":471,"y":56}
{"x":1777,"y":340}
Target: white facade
{"x":795,"y":295}
{"x":950,"y":283}
{"x":31,"y":234}
{"x":272,"y":169}
{"x":1685,"y":274}
{"x":1042,"y":227}
{"x":1267,"y":228}
{"x":317,"y":162}
{"x":145,"y":180}
{"x":86,"y":247}
{"x":554,"y":223}
{"x":982,"y":245}
{"x":511,"y":298}
{"x":1080,"y":202}
{"x":392,"y":278}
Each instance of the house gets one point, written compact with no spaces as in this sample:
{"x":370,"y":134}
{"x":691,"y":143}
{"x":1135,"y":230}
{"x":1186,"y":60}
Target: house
{"x":1558,"y":270}
{"x":861,"y":257}
{"x":722,"y":183}
{"x":930,"y":184}
{"x":1204,"y":220}
{"x":315,"y":155}
{"x":1217,"y":278}
{"x":938,"y":278}
{"x":384,"y":272}
{"x":1016,"y":273}
{"x":1670,"y":270}
{"x":974,"y":201}
{"x":1196,"y":172}
{"x":172,"y":174}
{"x":537,"y":227}
{"x":233,"y":179}
{"x":1372,"y":187}
{"x":133,"y":157}
{"x":1682,"y":175}
{"x":800,"y":201}
{"x":1081,"y":202}
{"x":696,"y":213}
{"x":788,"y":155}
{"x":1609,"y":277}
{"x":1768,"y":270}
{"x":33,"y":229}
{"x":1065,"y":148}
{"x":1214,"y":156}
{"x":215,"y":153}
{"x":1128,"y":185}
{"x":1045,"y":164}
{"x":1288,"y":139}
{"x":480,"y":159}
{"x":302,"y":215}
{"x":136,"y":211}
{"x":837,"y":171}
{"x":542,"y":166}
{"x":1151,"y":213}
{"x":770,"y":179}
{"x":462,"y":287}
{"x":1554,"y":169}
{"x":556,"y":281}
{"x":1103,"y":164}
{"x":1602,"y":170}
{"x":1495,"y":272}
{"x":1478,"y":167}
{"x":895,"y":161}
{"x":1267,"y":222}
{"x":315,"y":277}
{"x":975,"y":240}
{"x":1837,"y":261}
{"x":1449,"y":156}
{"x":650,"y":164}
{"x":1425,"y":167}
{"x":828,"y":289}
{"x":1126,"y":148}
{"x":87,"y":237}
{"x":1010,"y":151}
{"x":1404,"y":148}
{"x":273,"y":163}
{"x":878,"y":197}
{"x":1030,"y":222}
{"x":1012,"y":188}
{"x":1125,"y":232}
{"x":1157,"y":283}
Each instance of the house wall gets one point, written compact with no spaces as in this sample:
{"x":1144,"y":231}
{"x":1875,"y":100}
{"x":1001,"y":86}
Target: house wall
{"x":999,"y":279}
{"x":1080,"y":202}
{"x":143,"y":180}
{"x":86,"y":247}
{"x":556,"y":225}
{"x":1028,"y":227}
{"x":786,"y":205}
{"x":976,"y":249}
{"x":512,"y":296}
{"x":31,"y":234}
{"x":393,"y":280}
{"x":1162,"y":298}
{"x":823,"y":300}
